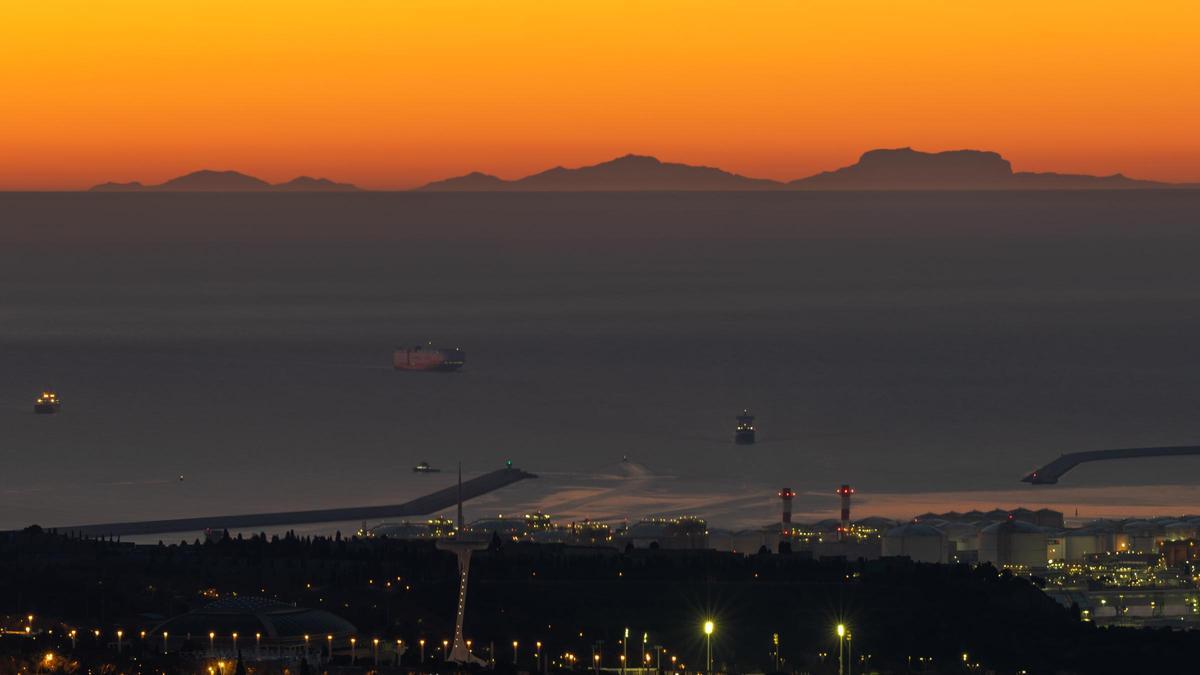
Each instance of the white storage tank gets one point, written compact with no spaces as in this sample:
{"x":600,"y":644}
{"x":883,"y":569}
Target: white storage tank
{"x":1086,"y":541}
{"x":1013,"y":542}
{"x":964,"y":536}
{"x":1143,"y":535}
{"x":921,"y":543}
{"x":1175,"y":530}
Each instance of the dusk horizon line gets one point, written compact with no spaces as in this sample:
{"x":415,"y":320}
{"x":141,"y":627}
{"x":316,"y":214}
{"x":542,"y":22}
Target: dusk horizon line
{"x":306,"y":182}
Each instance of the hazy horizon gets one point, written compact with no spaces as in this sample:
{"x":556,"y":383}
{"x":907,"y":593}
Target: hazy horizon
{"x":282,"y":179}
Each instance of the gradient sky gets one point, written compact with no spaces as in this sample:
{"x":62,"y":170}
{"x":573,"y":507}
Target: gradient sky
{"x":392,"y":93}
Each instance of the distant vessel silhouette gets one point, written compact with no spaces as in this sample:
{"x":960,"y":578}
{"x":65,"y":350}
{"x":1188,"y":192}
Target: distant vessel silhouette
{"x":47,"y":404}
{"x":743,"y":433}
{"x":428,"y":358}
{"x":423,"y":467}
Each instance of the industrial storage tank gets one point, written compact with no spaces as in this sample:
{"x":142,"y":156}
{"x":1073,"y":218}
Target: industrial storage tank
{"x":1013,"y":542}
{"x":1174,"y":530}
{"x":1143,"y":535}
{"x":1086,"y":541}
{"x":921,"y":543}
{"x":964,"y":536}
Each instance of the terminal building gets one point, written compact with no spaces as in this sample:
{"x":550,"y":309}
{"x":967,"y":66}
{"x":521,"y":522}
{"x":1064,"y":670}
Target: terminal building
{"x":261,"y":629}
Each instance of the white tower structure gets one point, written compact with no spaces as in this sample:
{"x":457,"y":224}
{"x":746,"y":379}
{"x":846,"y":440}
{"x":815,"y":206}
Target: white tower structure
{"x":461,"y":548}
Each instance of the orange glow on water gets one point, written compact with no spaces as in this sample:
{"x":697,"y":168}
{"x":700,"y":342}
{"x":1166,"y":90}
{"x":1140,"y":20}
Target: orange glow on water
{"x":392,"y":94}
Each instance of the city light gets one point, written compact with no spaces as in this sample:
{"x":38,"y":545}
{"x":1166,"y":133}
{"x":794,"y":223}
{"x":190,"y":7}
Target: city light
{"x":709,"y":627}
{"x":841,"y":633}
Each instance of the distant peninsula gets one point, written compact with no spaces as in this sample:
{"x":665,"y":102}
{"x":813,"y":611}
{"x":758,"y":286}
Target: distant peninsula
{"x":228,"y":181}
{"x":885,"y":169}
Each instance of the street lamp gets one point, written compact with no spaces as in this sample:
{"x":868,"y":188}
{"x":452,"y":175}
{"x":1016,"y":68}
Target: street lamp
{"x":849,"y":653}
{"x":708,"y":631}
{"x":375,"y":646}
{"x":514,"y":652}
{"x":841,"y":633}
{"x":775,"y":645}
{"x":120,"y":634}
{"x":164,"y":640}
{"x":624,"y":651}
{"x":72,"y":634}
{"x":235,"y":651}
{"x":422,"y":643}
{"x":445,"y":650}
{"x":212,"y":643}
{"x":353,"y":650}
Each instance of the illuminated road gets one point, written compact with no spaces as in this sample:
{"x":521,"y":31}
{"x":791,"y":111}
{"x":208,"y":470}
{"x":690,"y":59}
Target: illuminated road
{"x":1050,"y":473}
{"x":430,"y":503}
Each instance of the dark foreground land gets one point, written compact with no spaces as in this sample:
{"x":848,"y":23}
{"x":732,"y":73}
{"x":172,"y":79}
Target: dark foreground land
{"x":906,"y":617}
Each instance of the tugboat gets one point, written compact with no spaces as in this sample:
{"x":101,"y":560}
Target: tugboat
{"x":47,"y":403}
{"x":428,"y":358}
{"x":743,"y":434}
{"x":423,"y":467}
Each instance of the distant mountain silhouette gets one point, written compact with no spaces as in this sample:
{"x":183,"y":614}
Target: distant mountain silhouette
{"x":118,"y":187}
{"x":889,"y":169}
{"x":214,"y":181}
{"x":908,"y":169}
{"x":472,"y":182}
{"x":631,"y":172}
{"x":308,"y":184}
{"x":886,"y":169}
{"x":1075,"y":181}
{"x":227,"y":181}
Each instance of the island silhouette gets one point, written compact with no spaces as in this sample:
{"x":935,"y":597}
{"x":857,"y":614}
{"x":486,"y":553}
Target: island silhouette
{"x":228,"y":181}
{"x":882,"y":169}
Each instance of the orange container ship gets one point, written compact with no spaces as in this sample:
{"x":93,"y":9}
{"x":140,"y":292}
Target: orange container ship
{"x":428,"y":358}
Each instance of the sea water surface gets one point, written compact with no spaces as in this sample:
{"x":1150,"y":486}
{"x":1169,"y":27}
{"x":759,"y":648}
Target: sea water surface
{"x":223,"y":354}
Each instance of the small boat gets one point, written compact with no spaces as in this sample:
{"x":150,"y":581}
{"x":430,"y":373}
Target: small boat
{"x":743,"y":433}
{"x":423,"y":467}
{"x":47,"y":404}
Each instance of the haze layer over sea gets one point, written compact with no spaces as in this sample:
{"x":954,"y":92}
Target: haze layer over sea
{"x":928,"y":348}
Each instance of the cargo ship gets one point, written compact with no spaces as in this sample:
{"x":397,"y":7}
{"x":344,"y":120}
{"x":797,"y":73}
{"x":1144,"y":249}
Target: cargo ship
{"x":423,"y":467}
{"x":428,"y":358}
{"x":47,"y":403}
{"x":743,"y":433}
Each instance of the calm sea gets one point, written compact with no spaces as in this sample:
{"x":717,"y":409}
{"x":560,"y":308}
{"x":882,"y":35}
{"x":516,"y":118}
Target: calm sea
{"x":224,"y":354}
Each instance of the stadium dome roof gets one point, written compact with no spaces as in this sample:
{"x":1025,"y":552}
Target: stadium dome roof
{"x":250,"y":615}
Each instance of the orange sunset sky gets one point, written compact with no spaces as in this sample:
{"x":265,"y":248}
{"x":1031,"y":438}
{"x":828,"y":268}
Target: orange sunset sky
{"x":390,"y":94}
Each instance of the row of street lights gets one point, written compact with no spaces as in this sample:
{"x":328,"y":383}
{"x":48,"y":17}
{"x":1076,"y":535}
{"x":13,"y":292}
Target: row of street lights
{"x":845,"y":647}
